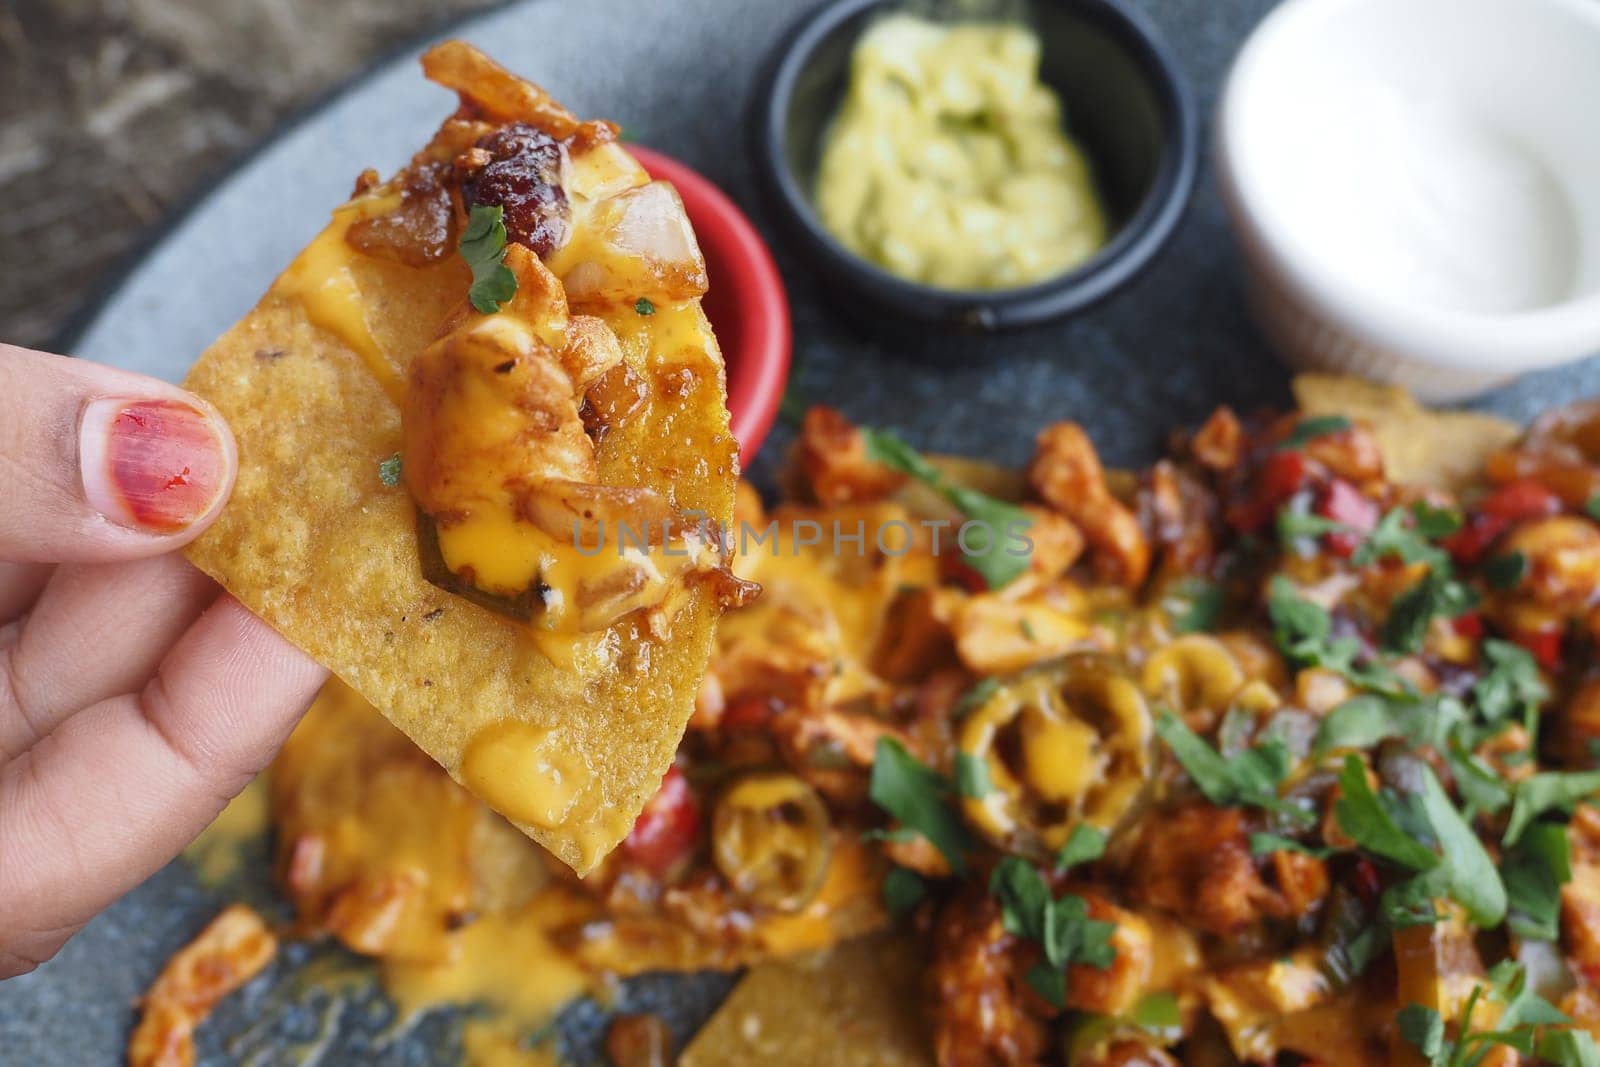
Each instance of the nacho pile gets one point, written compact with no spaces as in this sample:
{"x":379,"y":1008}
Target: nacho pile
{"x":1283,"y":749}
{"x":613,"y":391}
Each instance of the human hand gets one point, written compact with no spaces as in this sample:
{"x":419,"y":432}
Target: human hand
{"x":135,"y":697}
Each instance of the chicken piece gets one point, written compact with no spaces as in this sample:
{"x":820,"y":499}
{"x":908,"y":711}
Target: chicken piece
{"x":997,"y":635}
{"x":1115,"y":989}
{"x":1067,"y":475}
{"x":234,"y":948}
{"x":980,"y":1010}
{"x":832,"y":749}
{"x":1181,"y":515}
{"x":1219,"y":445}
{"x":1562,"y":579}
{"x":831,"y":456}
{"x":1580,"y":897}
{"x":1195,"y":864}
{"x":1057,"y":544}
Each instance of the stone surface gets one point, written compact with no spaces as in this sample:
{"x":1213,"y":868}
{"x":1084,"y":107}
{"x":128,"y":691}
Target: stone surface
{"x":116,"y":113}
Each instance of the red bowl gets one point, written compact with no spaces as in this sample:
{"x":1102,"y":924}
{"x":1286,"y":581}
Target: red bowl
{"x":746,"y":303}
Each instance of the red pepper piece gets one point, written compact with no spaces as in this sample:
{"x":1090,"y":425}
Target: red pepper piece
{"x":669,"y":826}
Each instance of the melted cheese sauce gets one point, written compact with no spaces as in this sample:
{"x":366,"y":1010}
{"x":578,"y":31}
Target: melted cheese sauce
{"x":217,"y":855}
{"x":322,"y":280}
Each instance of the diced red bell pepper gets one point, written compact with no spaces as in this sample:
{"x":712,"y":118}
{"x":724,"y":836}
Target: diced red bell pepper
{"x":749,"y":713}
{"x":1346,"y":505}
{"x":1545,"y":646}
{"x":1282,"y":476}
{"x":1469,"y":625}
{"x":1364,"y":879}
{"x":1506,"y":506}
{"x":668,"y":828}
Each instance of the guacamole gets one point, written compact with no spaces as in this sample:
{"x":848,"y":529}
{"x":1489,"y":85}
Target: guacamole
{"x":948,"y":163}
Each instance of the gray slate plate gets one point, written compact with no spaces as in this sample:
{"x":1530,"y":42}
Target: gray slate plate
{"x":676,"y":73}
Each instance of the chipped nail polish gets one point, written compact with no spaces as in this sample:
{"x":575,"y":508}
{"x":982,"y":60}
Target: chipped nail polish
{"x":154,"y":465}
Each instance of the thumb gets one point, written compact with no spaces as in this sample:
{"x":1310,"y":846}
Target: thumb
{"x":98,"y":464}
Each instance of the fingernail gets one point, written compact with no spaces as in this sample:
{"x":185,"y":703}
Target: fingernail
{"x":154,"y":465}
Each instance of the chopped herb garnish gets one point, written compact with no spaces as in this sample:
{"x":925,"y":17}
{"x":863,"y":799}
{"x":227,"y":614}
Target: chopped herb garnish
{"x":644,"y":307}
{"x":972,"y":776}
{"x":977,"y":696}
{"x":919,"y":797}
{"x":1309,"y":429}
{"x":903,"y":890}
{"x":1367,"y":820}
{"x":1304,"y":633}
{"x":1517,"y":1026}
{"x":995,"y":522}
{"x":1266,"y":844}
{"x":389,"y":471}
{"x":1195,"y":605}
{"x":1295,"y":524}
{"x":1548,"y":791}
{"x":1061,"y":927}
{"x":1591,"y":507}
{"x":1569,"y":1048}
{"x":1507,"y":571}
{"x":1084,"y":845}
{"x":1435,"y":523}
{"x":483,"y":246}
{"x":1412,"y":611}
{"x":1512,"y":686}
{"x":1534,"y":872}
{"x":1398,"y":535}
{"x":1249,"y":778}
{"x":1026,"y":627}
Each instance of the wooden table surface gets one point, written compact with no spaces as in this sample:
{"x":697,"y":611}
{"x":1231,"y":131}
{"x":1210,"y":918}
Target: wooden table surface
{"x":114,"y":112}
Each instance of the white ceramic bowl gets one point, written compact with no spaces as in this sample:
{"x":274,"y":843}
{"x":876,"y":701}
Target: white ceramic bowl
{"x":1416,"y":186}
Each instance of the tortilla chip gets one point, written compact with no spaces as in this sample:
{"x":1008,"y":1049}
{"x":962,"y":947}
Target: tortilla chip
{"x":1442,"y":449}
{"x":315,"y":543}
{"x":858,"y":1005}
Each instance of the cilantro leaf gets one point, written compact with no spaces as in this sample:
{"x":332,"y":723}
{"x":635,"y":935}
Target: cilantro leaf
{"x":389,"y":471}
{"x":1194,"y":604}
{"x":1309,"y":429}
{"x":977,"y":696}
{"x":1569,"y":1048}
{"x":1591,"y":507}
{"x":1362,"y":815}
{"x":1084,"y":845}
{"x":483,"y":246}
{"x":919,"y":798}
{"x":903,"y":890}
{"x":1506,"y":571}
{"x":1512,"y":687}
{"x":1249,"y":778}
{"x":1364,"y":721}
{"x":1304,"y":634}
{"x":1469,"y":875}
{"x":1534,"y":872}
{"x":994,"y":521}
{"x":1049,"y":982}
{"x":1295,"y":524}
{"x":1548,"y":791}
{"x":1397,"y":536}
{"x":1266,"y":844}
{"x":643,"y":306}
{"x":1423,"y":1029}
{"x":1409,"y":615}
{"x":972,"y":776}
{"x":1435,"y":523}
{"x":1061,"y":927}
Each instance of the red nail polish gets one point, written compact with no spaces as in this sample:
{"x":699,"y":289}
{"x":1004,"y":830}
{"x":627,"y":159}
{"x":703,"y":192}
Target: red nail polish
{"x":156,"y":465}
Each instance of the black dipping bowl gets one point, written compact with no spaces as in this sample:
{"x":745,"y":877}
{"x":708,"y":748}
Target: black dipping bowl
{"x":1126,"y":104}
